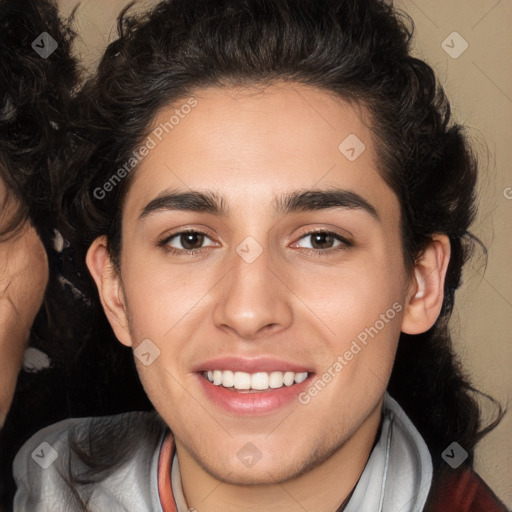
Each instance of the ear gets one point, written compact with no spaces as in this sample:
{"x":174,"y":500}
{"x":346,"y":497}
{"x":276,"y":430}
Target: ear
{"x":426,"y":290}
{"x":110,"y":288}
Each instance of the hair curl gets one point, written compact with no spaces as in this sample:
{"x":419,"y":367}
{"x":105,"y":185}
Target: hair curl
{"x":34,"y":98}
{"x":35,"y":94}
{"x":359,"y":50}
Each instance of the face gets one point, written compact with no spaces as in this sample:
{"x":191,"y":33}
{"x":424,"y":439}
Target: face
{"x":23,"y":278}
{"x":261,"y":250}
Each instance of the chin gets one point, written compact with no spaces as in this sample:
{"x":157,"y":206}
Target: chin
{"x":270,"y":474}
{"x":263,"y":471}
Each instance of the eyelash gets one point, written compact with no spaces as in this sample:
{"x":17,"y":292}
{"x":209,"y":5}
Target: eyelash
{"x":344,"y":245}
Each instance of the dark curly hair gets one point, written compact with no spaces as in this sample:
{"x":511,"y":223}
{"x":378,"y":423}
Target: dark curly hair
{"x":34,"y":97}
{"x":359,"y":50}
{"x":35,"y":94}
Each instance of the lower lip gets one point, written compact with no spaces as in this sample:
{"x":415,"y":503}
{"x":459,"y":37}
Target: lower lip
{"x":253,"y":403}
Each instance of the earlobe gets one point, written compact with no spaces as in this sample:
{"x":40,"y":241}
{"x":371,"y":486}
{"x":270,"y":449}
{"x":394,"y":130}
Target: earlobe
{"x":426,"y":290}
{"x":110,"y":290}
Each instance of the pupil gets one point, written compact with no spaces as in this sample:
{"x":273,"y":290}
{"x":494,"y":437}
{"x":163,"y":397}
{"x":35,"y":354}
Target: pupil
{"x":190,"y":240}
{"x":320,"y":239}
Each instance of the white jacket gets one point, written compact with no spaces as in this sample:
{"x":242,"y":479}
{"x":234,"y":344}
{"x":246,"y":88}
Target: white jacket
{"x":397,"y":476}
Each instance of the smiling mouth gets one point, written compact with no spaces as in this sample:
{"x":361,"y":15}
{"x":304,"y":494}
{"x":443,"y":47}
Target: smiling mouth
{"x":244,"y":382}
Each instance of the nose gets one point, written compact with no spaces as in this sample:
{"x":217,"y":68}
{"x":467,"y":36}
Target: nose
{"x":252,"y":300}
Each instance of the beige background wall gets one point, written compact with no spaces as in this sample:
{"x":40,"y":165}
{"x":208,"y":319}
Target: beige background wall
{"x":479,"y":84}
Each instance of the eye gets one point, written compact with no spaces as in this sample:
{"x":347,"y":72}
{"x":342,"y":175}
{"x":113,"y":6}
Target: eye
{"x":184,"y":242}
{"x":324,"y":241}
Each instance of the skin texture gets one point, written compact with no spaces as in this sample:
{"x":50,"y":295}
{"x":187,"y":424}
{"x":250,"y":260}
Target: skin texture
{"x":23,"y":279}
{"x":251,"y":146}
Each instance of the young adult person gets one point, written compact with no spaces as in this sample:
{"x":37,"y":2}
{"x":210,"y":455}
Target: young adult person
{"x":40,"y":308}
{"x":274,"y":204}
{"x":33,"y":94}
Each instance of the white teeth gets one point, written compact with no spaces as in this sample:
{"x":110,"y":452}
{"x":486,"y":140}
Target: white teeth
{"x":276,"y":380}
{"x":228,"y":379}
{"x":257,"y":381}
{"x":288,"y":378}
{"x":217,"y":377}
{"x":242,"y":380}
{"x":300,"y":377}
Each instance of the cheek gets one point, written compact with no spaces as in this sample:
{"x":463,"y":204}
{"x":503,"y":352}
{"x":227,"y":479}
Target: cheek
{"x":39,"y":272}
{"x":358,"y":305}
{"x":351,"y":295}
{"x":162,"y":301}
{"x":10,"y":363}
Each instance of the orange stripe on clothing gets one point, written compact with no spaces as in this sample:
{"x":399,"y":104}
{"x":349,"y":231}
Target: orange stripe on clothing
{"x":164,"y":475}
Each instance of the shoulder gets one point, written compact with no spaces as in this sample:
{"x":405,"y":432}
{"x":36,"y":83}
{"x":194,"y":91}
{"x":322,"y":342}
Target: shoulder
{"x":62,"y":466}
{"x":463,"y":490}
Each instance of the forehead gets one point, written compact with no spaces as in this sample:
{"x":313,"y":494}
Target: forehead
{"x":255,"y":144}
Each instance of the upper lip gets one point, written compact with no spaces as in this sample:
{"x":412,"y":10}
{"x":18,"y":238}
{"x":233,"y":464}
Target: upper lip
{"x":259,"y":364}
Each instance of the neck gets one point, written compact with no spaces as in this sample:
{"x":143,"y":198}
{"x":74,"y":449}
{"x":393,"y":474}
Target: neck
{"x":323,"y":488}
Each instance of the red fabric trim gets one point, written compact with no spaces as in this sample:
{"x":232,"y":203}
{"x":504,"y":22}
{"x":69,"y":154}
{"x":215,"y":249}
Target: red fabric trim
{"x":464,"y":491}
{"x":164,"y":475}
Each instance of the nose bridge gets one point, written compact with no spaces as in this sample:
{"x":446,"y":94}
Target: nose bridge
{"x":251,"y":297}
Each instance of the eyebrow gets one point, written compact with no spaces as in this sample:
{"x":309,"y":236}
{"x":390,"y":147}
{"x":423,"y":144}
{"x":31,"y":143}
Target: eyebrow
{"x":294,"y":202}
